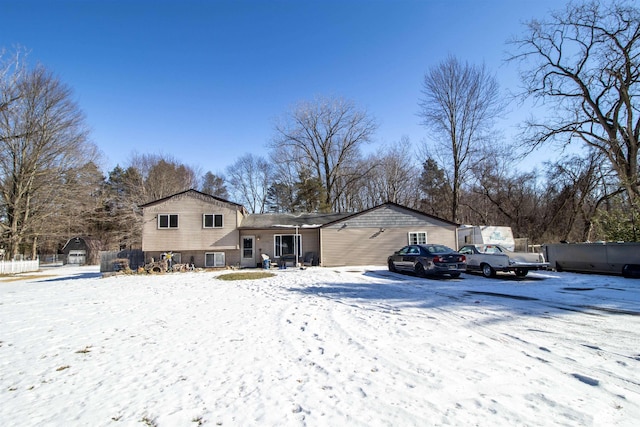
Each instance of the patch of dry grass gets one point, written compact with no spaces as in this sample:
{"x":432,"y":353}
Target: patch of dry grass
{"x":249,"y":275}
{"x":12,"y":278}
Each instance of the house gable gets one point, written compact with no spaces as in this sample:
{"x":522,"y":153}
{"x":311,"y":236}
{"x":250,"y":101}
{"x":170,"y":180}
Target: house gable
{"x":389,"y":215}
{"x":177,"y":224}
{"x":369,"y":237}
{"x":194,"y":194}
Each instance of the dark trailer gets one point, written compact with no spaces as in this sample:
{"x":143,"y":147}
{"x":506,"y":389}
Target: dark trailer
{"x":605,"y":258}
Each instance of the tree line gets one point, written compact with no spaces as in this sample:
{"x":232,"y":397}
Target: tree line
{"x":582,"y":62}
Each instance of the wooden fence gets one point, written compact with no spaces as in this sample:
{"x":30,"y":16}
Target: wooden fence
{"x":14,"y":267}
{"x":111,"y":261}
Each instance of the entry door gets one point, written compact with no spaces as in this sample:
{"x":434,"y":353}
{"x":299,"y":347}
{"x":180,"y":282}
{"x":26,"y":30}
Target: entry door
{"x":248,"y":251}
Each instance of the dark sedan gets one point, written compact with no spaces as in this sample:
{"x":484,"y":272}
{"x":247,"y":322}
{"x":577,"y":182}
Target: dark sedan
{"x":428,"y":260}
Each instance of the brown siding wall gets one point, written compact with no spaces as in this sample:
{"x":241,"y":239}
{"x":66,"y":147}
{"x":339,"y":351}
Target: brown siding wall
{"x":369,"y":246}
{"x":360,"y":240}
{"x":191,"y":238}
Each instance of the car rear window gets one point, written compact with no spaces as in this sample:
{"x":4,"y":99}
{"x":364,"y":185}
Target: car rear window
{"x":438,"y":249}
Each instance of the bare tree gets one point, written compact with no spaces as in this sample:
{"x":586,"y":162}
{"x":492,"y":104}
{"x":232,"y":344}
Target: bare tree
{"x":459,"y":105}
{"x":325,"y":136}
{"x":81,"y":211}
{"x":162,"y":176}
{"x":583,"y":63}
{"x":42,"y":138}
{"x":249,"y":180}
{"x":123,"y":193}
{"x":393,"y":176}
{"x":576,"y":188}
{"x":77,"y":212}
{"x":516,"y":199}
{"x":12,"y":69}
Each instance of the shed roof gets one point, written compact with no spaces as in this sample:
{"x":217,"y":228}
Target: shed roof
{"x":82,"y":241}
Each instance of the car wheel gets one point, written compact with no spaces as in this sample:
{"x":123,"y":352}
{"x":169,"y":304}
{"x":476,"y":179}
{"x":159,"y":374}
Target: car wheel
{"x":419,"y":268}
{"x":488,"y":271}
{"x":521,"y":272}
{"x":631,"y":271}
{"x":392,"y":267}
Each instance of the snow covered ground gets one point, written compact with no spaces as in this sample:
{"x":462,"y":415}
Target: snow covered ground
{"x":321,"y":346}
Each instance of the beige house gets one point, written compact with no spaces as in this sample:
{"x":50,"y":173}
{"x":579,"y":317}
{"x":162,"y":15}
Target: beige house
{"x":369,"y":237}
{"x":194,"y":228}
{"x":211,"y":232}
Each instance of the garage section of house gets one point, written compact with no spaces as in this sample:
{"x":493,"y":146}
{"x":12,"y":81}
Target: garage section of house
{"x":369,"y":237}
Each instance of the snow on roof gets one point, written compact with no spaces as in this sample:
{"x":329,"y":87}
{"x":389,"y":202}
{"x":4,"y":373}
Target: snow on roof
{"x":288,"y":220}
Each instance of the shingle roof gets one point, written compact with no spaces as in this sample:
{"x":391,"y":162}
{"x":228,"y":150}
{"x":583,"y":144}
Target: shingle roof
{"x":193,"y":192}
{"x":398,"y":206}
{"x":304,"y":220}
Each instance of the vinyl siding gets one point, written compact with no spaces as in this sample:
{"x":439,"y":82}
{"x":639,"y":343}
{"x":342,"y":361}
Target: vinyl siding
{"x":190,"y":234}
{"x":359,"y":240}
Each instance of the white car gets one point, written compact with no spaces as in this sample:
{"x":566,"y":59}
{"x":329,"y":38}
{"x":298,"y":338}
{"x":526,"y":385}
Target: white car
{"x":489,"y":259}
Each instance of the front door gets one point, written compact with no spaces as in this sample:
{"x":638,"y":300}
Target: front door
{"x":248,"y":251}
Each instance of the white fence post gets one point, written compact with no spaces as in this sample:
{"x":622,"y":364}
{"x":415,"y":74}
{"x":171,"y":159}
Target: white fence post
{"x":14,"y":267}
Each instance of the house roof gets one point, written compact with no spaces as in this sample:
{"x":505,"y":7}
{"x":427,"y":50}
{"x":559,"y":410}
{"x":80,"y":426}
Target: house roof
{"x":389,"y":204}
{"x":284,"y":220}
{"x":195,"y":193}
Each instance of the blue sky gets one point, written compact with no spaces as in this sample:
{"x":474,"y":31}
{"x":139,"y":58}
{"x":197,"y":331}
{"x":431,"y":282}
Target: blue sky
{"x":204,"y":81}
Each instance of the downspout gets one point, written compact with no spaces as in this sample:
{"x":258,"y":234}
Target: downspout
{"x":321,"y":255}
{"x":297,"y":246}
{"x":457,"y":240}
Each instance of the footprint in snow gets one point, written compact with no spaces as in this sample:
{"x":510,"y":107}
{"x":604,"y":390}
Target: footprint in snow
{"x":587,"y":380}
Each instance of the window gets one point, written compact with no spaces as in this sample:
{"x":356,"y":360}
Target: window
{"x":403,"y":250}
{"x":168,"y":221}
{"x":214,"y":259}
{"x":283,"y":244}
{"x":418,"y":238}
{"x":247,"y":247}
{"x":212,"y":221}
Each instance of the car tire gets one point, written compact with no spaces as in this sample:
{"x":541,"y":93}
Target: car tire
{"x":419,"y":269}
{"x":487,"y":270}
{"x":521,"y":272}
{"x":392,"y":267}
{"x":631,"y":271}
